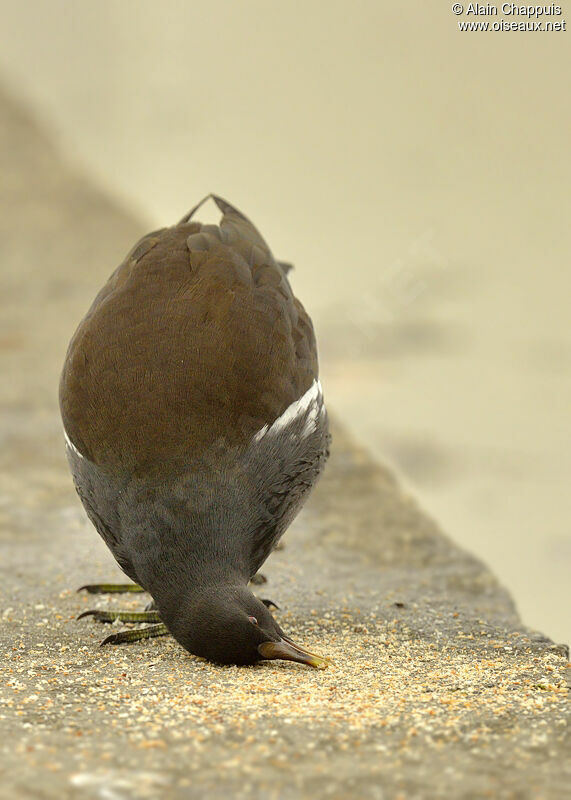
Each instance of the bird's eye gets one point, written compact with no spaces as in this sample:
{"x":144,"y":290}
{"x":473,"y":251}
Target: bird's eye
{"x":253,"y":620}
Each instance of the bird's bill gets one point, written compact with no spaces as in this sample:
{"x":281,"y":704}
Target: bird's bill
{"x":288,"y":650}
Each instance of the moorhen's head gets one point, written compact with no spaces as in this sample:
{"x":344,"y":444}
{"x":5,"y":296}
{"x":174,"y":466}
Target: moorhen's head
{"x":228,"y":625}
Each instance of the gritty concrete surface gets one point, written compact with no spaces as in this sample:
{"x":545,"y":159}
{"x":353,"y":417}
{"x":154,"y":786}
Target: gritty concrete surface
{"x":436,"y":689}
{"x":428,"y":238}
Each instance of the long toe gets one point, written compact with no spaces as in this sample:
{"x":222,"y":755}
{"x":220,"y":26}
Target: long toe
{"x":123,"y":616}
{"x":126,"y":637}
{"x":111,"y":588}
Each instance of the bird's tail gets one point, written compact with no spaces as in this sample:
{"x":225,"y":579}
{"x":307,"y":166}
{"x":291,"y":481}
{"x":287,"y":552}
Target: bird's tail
{"x":237,"y":230}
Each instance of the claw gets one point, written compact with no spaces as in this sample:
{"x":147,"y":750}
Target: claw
{"x":269,"y":603}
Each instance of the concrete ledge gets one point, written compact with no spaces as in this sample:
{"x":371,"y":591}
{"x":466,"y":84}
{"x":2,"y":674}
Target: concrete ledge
{"x":437,"y":690}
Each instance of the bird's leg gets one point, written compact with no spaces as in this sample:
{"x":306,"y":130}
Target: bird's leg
{"x":123,"y":616}
{"x":111,"y":588}
{"x":148,"y":632}
{"x":134,"y":635}
{"x":150,"y":614}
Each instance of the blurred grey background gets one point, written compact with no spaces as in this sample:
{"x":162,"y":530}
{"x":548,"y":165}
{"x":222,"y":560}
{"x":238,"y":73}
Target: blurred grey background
{"x":417,"y":176}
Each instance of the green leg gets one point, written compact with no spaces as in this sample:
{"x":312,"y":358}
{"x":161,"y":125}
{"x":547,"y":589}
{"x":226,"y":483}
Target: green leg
{"x":124,"y":616}
{"x":111,"y":588}
{"x":134,"y":635}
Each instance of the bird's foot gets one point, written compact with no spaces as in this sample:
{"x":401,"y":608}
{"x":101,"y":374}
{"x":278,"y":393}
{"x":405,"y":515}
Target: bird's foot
{"x":149,"y":615}
{"x":124,"y":637}
{"x":117,"y":588}
{"x":123,"y":616}
{"x":111,"y":588}
{"x":133,"y":635}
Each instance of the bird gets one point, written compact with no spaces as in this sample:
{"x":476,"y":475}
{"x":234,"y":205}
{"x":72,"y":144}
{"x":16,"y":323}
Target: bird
{"x":195,"y":429}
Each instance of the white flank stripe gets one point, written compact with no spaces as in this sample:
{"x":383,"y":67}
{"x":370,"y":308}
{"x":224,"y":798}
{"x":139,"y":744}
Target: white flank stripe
{"x":310,"y":403}
{"x":71,"y":445}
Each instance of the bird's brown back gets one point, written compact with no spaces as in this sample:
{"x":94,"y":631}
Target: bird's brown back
{"x":196,"y":340}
